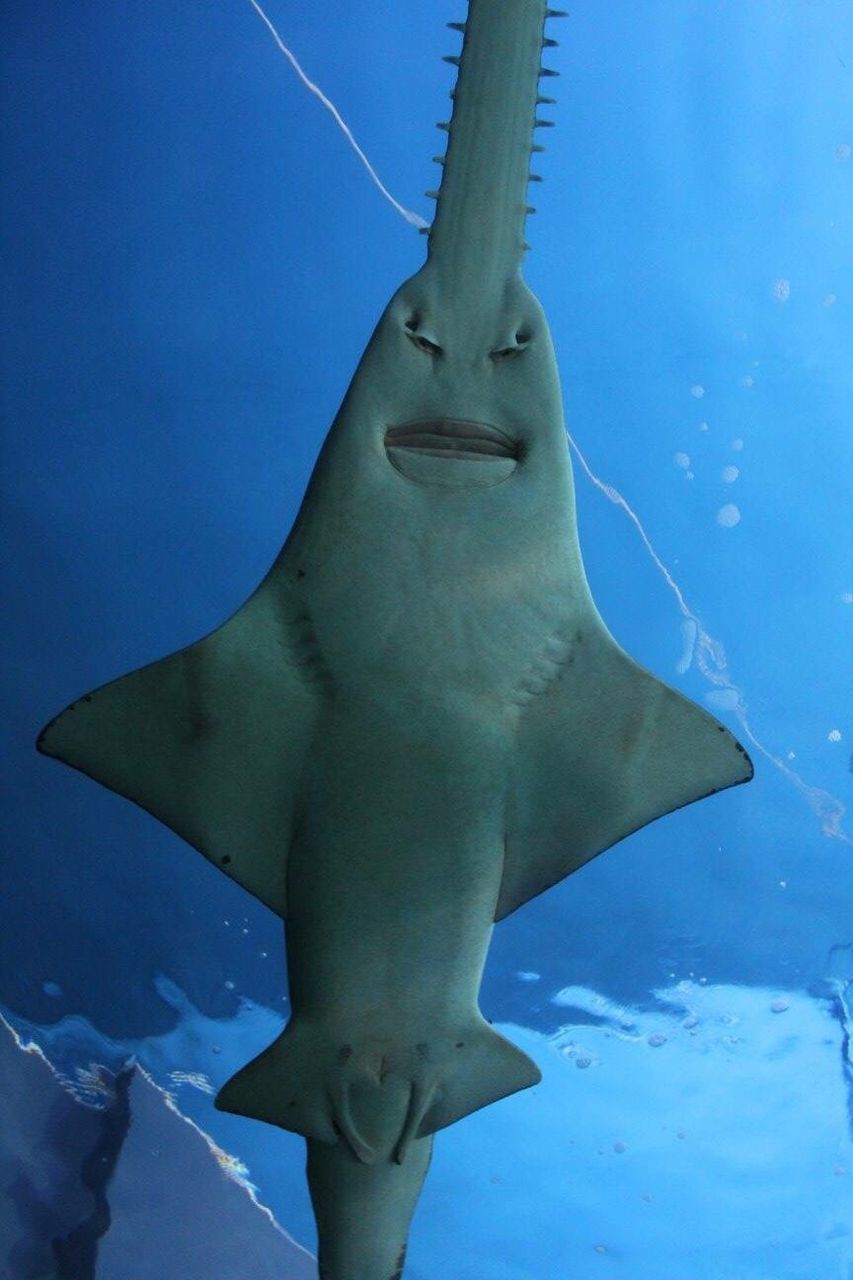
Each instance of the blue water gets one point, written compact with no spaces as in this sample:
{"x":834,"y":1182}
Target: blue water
{"x":194,"y":261}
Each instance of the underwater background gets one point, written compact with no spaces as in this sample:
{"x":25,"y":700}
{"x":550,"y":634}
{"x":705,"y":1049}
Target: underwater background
{"x":194,"y":259}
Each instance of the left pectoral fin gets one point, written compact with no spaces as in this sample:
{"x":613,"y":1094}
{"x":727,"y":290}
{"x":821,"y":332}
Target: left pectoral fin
{"x":605,"y":749}
{"x":210,"y":740}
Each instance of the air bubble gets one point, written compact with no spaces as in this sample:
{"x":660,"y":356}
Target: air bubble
{"x":728,"y":475}
{"x":728,"y":516}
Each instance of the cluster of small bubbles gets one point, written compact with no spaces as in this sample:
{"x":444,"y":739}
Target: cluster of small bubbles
{"x":680,"y":1133}
{"x":656,"y":1039}
{"x":747,"y":380}
{"x":620,"y":1147}
{"x":647,"y":1196}
{"x":527,"y":975}
{"x":52,"y":989}
{"x":229,"y":985}
{"x":601,"y":1248}
{"x":703,"y":426}
{"x":834,"y":735}
{"x":847,"y":597}
{"x":783,"y":884}
{"x":681,"y":460}
{"x":728,"y":516}
{"x":728,"y":475}
{"x":779,"y":1005}
{"x":829,"y":300}
{"x":245,"y":930}
{"x":690,"y":1023}
{"x":582,"y":1061}
{"x":697,"y":391}
{"x":843,"y":150}
{"x":737,"y":444}
{"x":781,"y":290}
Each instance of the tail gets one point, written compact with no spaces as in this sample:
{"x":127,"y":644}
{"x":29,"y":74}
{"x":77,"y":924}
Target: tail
{"x":364,"y":1212}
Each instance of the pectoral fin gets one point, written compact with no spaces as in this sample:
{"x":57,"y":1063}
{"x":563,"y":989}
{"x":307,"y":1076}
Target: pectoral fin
{"x":210,"y":740}
{"x":603,"y":750}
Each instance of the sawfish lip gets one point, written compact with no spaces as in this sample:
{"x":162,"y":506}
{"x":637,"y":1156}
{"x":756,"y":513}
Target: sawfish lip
{"x":454,"y":439}
{"x":451,"y":453}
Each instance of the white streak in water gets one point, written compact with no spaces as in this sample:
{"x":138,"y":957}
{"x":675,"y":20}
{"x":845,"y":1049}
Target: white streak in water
{"x":710,"y":658}
{"x":414,"y":218}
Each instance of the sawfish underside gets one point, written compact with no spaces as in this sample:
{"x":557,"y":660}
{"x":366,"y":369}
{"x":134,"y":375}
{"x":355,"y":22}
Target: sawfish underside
{"x":418,"y":721}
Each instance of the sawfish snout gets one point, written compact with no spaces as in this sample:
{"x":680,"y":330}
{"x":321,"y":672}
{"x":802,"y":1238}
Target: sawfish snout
{"x":450,"y":453}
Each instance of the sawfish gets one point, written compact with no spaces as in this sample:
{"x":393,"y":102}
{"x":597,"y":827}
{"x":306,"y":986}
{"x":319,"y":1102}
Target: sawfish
{"x":418,"y":721}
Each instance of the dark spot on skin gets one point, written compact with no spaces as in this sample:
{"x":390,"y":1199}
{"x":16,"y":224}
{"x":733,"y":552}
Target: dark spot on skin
{"x":344,"y":1053}
{"x":87,"y":697}
{"x":292,"y":1102}
{"x":300,"y":573}
{"x":383,"y":1068}
{"x":226,"y":859}
{"x":422,"y":1050}
{"x":460,"y":1044}
{"x":578,"y":636}
{"x":397,"y":1274}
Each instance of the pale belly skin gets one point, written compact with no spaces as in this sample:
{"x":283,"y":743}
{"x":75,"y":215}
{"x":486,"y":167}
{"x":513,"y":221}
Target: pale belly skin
{"x":399,"y":852}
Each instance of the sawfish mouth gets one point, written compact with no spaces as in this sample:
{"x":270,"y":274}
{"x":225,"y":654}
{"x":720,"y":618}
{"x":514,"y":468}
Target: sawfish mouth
{"x":451,"y":453}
